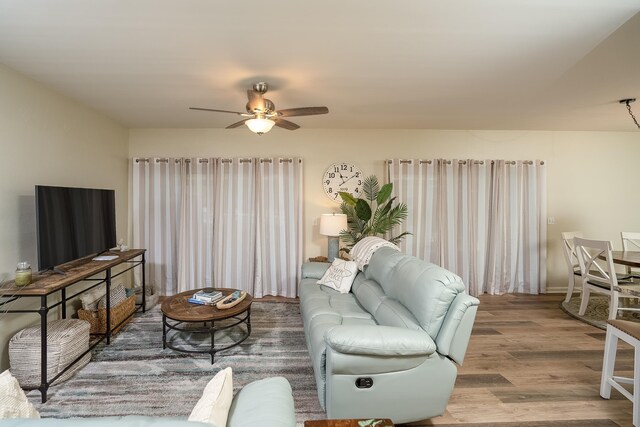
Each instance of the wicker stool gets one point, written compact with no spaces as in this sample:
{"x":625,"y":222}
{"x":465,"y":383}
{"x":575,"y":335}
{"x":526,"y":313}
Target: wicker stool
{"x":66,"y":340}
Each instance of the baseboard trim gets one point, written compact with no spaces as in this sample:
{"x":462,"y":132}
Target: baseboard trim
{"x":559,"y":290}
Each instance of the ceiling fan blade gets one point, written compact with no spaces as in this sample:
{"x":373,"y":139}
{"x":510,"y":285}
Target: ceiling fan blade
{"x":304,"y":111}
{"x":256,"y":101}
{"x":286,"y":124}
{"x":217,"y":111}
{"x":236,"y":124}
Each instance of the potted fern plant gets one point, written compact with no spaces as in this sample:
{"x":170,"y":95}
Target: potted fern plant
{"x":373,"y":215}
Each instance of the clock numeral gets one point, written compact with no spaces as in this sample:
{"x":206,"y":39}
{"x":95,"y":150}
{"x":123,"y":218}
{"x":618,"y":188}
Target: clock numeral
{"x":357,"y":174}
{"x":355,"y":190}
{"x":359,"y":182}
{"x":336,"y":169}
{"x":328,"y":182}
{"x":332,"y":175}
{"x":330,"y":190}
{"x":343,"y":167}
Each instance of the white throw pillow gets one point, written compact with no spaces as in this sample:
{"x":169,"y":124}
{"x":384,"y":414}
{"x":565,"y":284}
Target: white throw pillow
{"x":213,"y":406}
{"x":90,"y":299}
{"x":13,"y":401}
{"x":340,"y":275}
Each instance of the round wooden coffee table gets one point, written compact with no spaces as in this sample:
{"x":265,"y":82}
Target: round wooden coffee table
{"x":176,"y":311}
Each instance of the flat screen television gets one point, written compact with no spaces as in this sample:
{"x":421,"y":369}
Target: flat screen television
{"x":73,"y":223}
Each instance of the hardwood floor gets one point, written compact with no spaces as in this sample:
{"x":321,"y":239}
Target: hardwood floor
{"x":530,"y":364}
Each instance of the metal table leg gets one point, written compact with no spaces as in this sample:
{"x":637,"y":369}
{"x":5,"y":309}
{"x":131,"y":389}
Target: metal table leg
{"x":44,"y":310}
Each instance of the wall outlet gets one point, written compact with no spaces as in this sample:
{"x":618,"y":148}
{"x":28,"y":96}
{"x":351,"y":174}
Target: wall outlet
{"x":551,"y":220}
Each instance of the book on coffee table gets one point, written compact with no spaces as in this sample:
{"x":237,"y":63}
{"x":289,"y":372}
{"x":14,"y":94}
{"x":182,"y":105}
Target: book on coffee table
{"x":210,"y":297}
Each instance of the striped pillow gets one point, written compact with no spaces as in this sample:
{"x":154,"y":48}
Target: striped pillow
{"x":118,"y":294}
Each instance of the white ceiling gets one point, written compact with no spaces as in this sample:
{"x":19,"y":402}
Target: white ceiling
{"x":404,"y":64}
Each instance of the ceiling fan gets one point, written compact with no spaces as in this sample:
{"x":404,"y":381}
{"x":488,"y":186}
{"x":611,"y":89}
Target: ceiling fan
{"x":262,"y":115}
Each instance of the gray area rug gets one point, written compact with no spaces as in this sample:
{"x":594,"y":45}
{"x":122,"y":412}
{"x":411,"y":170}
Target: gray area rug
{"x":598,"y":310}
{"x":134,"y":375}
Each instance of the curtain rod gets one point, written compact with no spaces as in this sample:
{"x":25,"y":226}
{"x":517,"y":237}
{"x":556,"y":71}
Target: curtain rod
{"x":464,"y":162}
{"x":243,"y":160}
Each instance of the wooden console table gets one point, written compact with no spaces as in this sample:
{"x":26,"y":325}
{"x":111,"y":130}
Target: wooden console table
{"x":51,"y":284}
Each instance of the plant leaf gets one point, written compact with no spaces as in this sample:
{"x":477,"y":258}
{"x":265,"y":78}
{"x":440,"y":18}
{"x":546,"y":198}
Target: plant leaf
{"x":363,"y":210}
{"x":348,"y":198}
{"x":395,"y":240}
{"x":363,"y":220}
{"x":370,"y":187}
{"x":384,"y":193}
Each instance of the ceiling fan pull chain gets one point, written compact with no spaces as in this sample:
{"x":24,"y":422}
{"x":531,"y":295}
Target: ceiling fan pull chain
{"x":628,"y":102}
{"x":631,"y":114}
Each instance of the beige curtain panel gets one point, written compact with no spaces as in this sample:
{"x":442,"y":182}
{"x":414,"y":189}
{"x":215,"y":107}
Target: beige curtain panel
{"x":211,"y":222}
{"x":485,"y":220}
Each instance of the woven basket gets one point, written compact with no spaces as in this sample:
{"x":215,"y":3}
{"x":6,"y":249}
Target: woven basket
{"x":98,"y":319}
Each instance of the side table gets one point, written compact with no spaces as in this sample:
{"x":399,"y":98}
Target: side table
{"x":377,"y":422}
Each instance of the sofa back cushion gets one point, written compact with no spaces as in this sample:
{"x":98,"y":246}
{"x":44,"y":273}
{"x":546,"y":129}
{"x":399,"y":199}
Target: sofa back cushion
{"x":424,"y":290}
{"x":386,"y":311}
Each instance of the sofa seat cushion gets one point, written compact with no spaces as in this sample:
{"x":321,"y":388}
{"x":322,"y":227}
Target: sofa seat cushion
{"x":317,"y":299}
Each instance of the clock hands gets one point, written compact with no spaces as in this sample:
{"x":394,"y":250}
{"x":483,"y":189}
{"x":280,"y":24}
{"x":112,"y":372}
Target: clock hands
{"x":345,"y":180}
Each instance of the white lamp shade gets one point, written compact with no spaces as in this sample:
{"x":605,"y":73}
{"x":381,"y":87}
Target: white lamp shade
{"x":332,"y":224}
{"x":260,"y":126}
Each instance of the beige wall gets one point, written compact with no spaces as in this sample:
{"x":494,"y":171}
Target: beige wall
{"x":582,"y":167}
{"x":48,"y":139}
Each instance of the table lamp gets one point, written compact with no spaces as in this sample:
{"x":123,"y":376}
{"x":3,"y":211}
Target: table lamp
{"x":331,"y":225}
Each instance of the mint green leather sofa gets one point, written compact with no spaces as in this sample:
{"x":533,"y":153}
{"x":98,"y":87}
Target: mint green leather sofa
{"x":389,"y":348}
{"x":264,"y":403}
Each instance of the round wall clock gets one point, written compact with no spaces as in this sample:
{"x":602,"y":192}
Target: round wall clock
{"x":342,"y":176}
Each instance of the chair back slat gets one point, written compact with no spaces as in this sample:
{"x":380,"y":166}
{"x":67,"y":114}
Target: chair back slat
{"x":592,"y":268}
{"x":568,"y":249}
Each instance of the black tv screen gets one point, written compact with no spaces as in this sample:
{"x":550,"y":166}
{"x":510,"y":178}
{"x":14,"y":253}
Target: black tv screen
{"x":73,"y":223}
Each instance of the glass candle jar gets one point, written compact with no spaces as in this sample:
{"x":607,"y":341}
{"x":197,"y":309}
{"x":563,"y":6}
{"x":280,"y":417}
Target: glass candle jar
{"x":23,"y":274}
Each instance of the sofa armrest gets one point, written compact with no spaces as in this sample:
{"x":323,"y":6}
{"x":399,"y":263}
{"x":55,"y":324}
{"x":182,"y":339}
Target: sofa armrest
{"x":267,"y":403}
{"x":314,"y":270}
{"x":455,"y":332}
{"x":376,"y":340}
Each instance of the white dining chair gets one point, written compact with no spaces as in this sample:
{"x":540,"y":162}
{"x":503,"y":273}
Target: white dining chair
{"x":571,"y":260}
{"x":598,"y":276}
{"x":628,"y":332}
{"x":631,"y":242}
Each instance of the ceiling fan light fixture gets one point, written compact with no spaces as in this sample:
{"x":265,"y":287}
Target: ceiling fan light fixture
{"x":259,"y":125}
